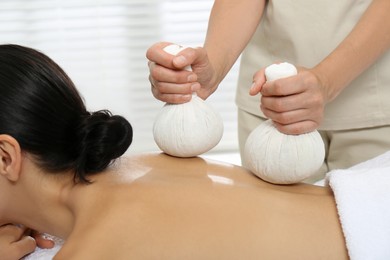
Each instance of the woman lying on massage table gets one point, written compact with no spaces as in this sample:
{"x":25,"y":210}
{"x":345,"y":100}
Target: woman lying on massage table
{"x":57,"y":176}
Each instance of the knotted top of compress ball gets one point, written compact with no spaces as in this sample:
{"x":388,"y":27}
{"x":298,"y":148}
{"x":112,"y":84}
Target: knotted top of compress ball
{"x":280,"y":70}
{"x":188,"y":129}
{"x":277,"y":157}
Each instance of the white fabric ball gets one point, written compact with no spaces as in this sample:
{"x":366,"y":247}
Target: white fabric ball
{"x":283,"y":159}
{"x":280,"y":70}
{"x":279,"y":158}
{"x":189,"y":129}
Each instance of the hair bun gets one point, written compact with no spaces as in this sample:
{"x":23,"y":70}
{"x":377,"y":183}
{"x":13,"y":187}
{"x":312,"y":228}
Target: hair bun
{"x":103,"y":138}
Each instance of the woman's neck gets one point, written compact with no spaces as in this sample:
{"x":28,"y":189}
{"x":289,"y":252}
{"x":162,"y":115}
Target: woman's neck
{"x":41,"y":201}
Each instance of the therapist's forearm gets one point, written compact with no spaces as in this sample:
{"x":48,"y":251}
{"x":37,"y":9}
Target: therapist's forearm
{"x":361,"y":48}
{"x":231,"y":25}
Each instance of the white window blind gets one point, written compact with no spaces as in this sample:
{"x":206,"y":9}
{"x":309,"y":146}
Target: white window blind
{"x":101,"y":44}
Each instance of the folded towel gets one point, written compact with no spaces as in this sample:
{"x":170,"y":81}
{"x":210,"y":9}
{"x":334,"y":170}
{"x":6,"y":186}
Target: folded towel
{"x":362,"y":195}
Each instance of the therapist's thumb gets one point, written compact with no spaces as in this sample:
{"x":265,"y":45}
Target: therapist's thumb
{"x":190,"y":56}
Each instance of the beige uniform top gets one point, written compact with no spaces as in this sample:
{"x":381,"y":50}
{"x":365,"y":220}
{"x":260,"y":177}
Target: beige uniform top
{"x":303,"y":32}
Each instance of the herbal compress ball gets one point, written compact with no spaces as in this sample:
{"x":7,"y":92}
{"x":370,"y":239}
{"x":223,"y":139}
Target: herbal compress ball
{"x":188,"y":129}
{"x":280,"y":158}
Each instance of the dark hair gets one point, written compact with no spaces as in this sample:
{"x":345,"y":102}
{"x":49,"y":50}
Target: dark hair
{"x":41,"y":108}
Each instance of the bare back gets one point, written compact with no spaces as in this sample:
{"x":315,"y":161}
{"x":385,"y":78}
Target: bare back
{"x":159,"y":207}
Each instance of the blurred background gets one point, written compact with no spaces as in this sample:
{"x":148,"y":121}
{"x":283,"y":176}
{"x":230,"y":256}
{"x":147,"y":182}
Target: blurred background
{"x":101,"y":44}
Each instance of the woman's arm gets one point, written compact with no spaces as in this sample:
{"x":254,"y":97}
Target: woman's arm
{"x":361,"y":48}
{"x":297,"y":104}
{"x":231,"y":25}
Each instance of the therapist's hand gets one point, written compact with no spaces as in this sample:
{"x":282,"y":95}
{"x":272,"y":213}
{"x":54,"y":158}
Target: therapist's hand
{"x":296,"y":104}
{"x":171,"y":83}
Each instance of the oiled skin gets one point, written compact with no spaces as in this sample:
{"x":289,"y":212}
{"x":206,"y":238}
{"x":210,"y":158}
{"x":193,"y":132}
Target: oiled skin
{"x":154,"y":206}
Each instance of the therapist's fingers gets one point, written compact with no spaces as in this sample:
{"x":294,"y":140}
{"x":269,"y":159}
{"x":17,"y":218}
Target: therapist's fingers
{"x":174,"y":93}
{"x":297,"y":128}
{"x":258,"y":82}
{"x":297,"y":121}
{"x":172,"y":98}
{"x":170,"y":84}
{"x":287,"y":111}
{"x":171,"y":88}
{"x":179,"y":61}
{"x":304,"y":100}
{"x":293,"y":116}
{"x":283,"y":87}
{"x":163,"y":74}
{"x":156,"y":53}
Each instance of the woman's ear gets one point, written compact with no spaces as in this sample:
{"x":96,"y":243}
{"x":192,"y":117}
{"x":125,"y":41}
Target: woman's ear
{"x":10,"y":157}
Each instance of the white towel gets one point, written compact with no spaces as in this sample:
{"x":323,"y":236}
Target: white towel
{"x":362,"y":195}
